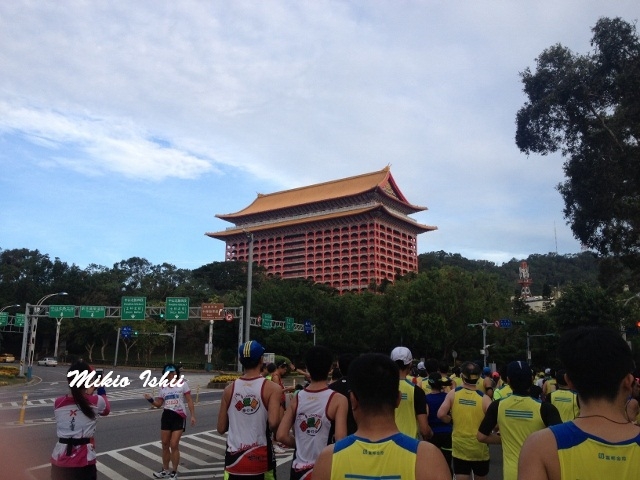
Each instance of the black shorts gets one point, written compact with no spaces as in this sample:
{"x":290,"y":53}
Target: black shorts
{"x":172,"y":421}
{"x":89,"y":472}
{"x":464,"y":467}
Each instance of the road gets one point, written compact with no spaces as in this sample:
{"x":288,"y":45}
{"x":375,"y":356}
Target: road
{"x":127,"y":441}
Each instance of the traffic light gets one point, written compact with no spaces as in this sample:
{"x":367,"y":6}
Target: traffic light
{"x":135,"y":333}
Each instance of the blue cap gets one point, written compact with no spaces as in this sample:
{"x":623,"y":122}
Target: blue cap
{"x":251,"y":349}
{"x":486,"y":371}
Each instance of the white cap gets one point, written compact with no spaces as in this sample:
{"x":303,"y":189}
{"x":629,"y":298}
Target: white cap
{"x":547,"y":371}
{"x":403,"y":354}
{"x":421,"y":366}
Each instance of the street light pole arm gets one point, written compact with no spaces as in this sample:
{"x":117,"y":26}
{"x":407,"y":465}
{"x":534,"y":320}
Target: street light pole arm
{"x":16,"y":305}
{"x":46,"y":297}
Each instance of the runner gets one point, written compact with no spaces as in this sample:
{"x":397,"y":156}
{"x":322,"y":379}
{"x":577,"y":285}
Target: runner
{"x":174,"y":419}
{"x":378,"y":450}
{"x":342,"y":386}
{"x":466,"y":406}
{"x":601,"y":442}
{"x":249,"y":408}
{"x":411,"y":414}
{"x":317,"y":414}
{"x":564,"y":399}
{"x":517,"y":416}
{"x":441,"y":431}
{"x":550,"y":383}
{"x":76,"y":415}
{"x":485,"y":383}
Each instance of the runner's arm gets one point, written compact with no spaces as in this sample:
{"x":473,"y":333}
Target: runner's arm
{"x":485,"y":430}
{"x":223,"y":414}
{"x":192,"y":408}
{"x":284,"y":434}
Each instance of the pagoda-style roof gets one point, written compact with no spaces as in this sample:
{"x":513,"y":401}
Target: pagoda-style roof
{"x":328,"y":216}
{"x":382,"y":181}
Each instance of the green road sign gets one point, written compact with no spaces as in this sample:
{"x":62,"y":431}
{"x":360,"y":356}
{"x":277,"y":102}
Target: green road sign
{"x":62,"y":311}
{"x":288,"y":324}
{"x":266,"y":321}
{"x":88,"y":311}
{"x":133,"y":308}
{"x":19,"y":320}
{"x":177,"y":308}
{"x":4,"y":318}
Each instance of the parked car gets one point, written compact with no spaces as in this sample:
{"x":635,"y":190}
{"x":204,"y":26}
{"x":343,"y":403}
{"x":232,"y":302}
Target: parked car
{"x":7,"y":357}
{"x":48,"y":362}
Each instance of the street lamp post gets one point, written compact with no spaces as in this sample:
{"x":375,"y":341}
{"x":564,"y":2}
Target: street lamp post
{"x":247,"y":320}
{"x":32,"y":325}
{"x":528,"y":343}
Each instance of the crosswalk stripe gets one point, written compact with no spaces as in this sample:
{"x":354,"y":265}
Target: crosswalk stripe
{"x":211,"y":444}
{"x":109,"y":473}
{"x":135,"y":465}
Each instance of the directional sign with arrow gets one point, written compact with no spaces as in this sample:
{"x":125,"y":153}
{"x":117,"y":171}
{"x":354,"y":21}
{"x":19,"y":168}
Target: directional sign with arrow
{"x":177,"y":308}
{"x":87,"y":311}
{"x":133,"y":308}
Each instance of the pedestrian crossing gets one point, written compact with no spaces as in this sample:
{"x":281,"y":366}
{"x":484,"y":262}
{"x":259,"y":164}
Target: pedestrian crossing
{"x":201,"y":457}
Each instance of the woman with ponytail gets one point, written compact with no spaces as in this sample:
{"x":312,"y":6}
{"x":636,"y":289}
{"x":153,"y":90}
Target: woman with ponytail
{"x":76,"y":414}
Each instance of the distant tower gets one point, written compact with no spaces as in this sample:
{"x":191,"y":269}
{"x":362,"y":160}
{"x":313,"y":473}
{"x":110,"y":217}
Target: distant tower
{"x":524,"y":280}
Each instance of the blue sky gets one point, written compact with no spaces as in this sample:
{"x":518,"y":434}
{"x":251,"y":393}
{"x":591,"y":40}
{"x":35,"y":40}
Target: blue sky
{"x":126,"y":126}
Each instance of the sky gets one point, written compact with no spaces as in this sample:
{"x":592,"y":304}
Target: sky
{"x":125,"y":127}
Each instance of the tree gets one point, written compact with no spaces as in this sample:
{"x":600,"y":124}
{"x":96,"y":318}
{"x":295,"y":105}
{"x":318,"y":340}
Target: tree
{"x":584,"y":305}
{"x":588,"y":108}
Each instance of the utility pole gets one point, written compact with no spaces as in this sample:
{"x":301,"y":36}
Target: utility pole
{"x":484,"y":326}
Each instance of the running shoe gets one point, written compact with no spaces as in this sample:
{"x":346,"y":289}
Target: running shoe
{"x":173,"y":475}
{"x":162,"y":474}
{"x":278,"y":449}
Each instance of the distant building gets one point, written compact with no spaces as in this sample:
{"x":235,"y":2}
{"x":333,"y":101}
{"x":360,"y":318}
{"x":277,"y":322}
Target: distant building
{"x":346,"y":233}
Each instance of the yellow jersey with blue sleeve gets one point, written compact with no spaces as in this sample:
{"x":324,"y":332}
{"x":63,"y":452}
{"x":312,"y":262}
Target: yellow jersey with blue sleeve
{"x":467,"y":414}
{"x":392,"y":458}
{"x":583,"y":455}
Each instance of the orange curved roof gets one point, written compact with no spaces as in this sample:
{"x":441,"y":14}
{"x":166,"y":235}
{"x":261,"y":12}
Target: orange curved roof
{"x":334,"y":189}
{"x":286,"y":223}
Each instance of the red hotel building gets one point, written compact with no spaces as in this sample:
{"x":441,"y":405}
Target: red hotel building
{"x":345,"y":233}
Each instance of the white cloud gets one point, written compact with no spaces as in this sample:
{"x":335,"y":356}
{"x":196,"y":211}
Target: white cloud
{"x":101,"y":145}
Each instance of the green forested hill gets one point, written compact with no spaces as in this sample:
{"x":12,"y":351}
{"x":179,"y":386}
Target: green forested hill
{"x":550,"y":269}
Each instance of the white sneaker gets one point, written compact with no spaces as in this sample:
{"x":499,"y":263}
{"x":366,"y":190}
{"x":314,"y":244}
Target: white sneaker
{"x":162,"y":474}
{"x":278,"y":449}
{"x":173,"y":475}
